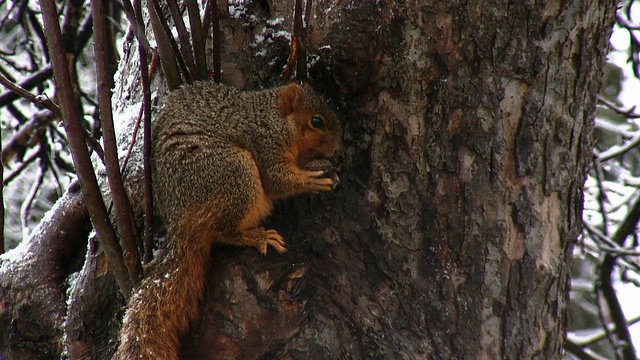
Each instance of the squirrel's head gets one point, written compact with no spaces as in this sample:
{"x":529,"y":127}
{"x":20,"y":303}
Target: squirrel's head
{"x":318,"y":128}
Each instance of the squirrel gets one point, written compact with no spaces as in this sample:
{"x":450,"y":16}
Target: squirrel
{"x":220,"y":157}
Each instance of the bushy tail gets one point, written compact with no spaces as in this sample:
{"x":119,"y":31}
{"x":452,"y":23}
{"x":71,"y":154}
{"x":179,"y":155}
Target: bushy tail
{"x":165,"y":304}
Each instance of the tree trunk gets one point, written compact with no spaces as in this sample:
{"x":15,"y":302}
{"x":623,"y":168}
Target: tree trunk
{"x":468,"y":136}
{"x":468,"y":139}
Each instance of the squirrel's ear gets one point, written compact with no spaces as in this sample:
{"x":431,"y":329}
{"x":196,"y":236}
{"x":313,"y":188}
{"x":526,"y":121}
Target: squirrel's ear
{"x":289,"y":99}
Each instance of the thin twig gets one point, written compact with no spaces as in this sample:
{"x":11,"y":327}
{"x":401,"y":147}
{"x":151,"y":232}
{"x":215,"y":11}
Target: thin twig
{"x":603,"y":321}
{"x":616,"y":151}
{"x":16,"y":113}
{"x":216,"y":40}
{"x":594,"y":338}
{"x":84,"y":33}
{"x":138,"y":28}
{"x":145,"y":73}
{"x":25,"y":163}
{"x":602,"y":195}
{"x":206,"y":17}
{"x":21,"y":139}
{"x":50,"y":164}
{"x":136,"y":126}
{"x":580,"y":352}
{"x":610,"y":244}
{"x":197,"y":39}
{"x":300,"y":36}
{"x":183,"y":36}
{"x":114,"y":178}
{"x":31,"y":195}
{"x":630,"y":113}
{"x":170,"y":58}
{"x":625,"y":23}
{"x":605,"y":271}
{"x":23,"y":87}
{"x":2,"y":248}
{"x":36,"y":26}
{"x":172,"y":42}
{"x":19,"y":91}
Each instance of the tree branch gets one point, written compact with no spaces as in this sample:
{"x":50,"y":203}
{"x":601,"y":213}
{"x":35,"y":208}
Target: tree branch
{"x":198,"y":40}
{"x":164,"y":33}
{"x":211,"y":18}
{"x":82,"y":162}
{"x":33,"y":286}
{"x":2,"y":249}
{"x":605,"y":271}
{"x":18,"y":91}
{"x":146,"y":150}
{"x":183,"y":36}
{"x":123,"y":213}
{"x":21,"y":90}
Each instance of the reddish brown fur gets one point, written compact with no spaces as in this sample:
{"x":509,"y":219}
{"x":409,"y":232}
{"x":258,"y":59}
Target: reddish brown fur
{"x":262,"y":205}
{"x":218,"y":164}
{"x":289,"y":99}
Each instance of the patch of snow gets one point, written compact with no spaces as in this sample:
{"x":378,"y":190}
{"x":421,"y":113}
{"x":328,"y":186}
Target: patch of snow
{"x":266,"y":37}
{"x":20,"y":253}
{"x":237,"y":11}
{"x":275,"y":22}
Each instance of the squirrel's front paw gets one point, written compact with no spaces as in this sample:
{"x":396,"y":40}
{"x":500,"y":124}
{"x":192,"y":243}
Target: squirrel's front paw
{"x":318,"y":181}
{"x":321,"y":175}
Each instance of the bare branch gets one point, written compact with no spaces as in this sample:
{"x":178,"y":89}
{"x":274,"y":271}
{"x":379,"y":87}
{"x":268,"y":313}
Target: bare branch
{"x":145,"y":74}
{"x":605,"y":271}
{"x":21,"y":90}
{"x":603,"y":321}
{"x":53,"y":248}
{"x":20,"y":141}
{"x":1,"y":200}
{"x":598,"y":336}
{"x":602,"y":195}
{"x":630,"y":113}
{"x":28,"y":201}
{"x":136,"y":25}
{"x":581,"y":352}
{"x":299,"y":33}
{"x":82,"y":162}
{"x":123,"y":213}
{"x":18,"y":91}
{"x":166,"y":33}
{"x":212,"y":16}
{"x":166,"y":46}
{"x":183,"y":36}
{"x":197,"y":39}
{"x":20,"y":169}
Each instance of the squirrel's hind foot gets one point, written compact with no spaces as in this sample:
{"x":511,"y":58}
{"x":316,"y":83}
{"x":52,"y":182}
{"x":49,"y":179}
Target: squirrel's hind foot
{"x":260,"y":238}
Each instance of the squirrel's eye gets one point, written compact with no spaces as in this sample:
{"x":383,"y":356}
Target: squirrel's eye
{"x":317,"y":122}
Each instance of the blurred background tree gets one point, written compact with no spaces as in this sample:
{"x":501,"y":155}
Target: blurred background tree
{"x":606,"y":276}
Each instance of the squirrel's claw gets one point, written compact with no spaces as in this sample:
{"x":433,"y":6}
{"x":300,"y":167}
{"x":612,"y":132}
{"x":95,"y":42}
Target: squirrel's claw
{"x":318,"y":181}
{"x":275,"y":240}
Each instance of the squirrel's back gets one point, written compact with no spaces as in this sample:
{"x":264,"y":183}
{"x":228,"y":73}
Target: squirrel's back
{"x":217,"y":111}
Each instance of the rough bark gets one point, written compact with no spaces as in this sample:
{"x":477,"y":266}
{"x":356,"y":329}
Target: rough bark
{"x":468,"y":135}
{"x":33,"y":281}
{"x":467,"y":130}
